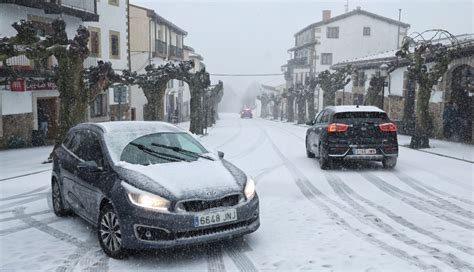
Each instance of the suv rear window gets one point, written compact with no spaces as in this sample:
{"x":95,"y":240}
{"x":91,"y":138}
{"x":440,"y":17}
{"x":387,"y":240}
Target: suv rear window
{"x":354,"y":117}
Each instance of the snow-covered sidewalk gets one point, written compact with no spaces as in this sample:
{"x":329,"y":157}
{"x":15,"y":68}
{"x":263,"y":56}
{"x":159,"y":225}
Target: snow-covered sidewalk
{"x":455,"y":150}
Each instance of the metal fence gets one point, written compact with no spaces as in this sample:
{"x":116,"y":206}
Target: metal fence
{"x":86,"y":5}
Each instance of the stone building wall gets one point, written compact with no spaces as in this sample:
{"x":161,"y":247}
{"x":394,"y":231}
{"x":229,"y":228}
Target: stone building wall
{"x":17,"y":128}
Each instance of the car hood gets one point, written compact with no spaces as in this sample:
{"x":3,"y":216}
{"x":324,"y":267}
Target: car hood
{"x":184,"y":180}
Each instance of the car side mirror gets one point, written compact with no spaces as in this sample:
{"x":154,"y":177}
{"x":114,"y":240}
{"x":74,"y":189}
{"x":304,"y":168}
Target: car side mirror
{"x":310,"y":123}
{"x":220,"y":154}
{"x":89,"y":166}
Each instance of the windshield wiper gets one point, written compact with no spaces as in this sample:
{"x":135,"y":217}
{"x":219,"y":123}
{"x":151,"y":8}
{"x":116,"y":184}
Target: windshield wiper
{"x":159,"y":155}
{"x":183,"y":151}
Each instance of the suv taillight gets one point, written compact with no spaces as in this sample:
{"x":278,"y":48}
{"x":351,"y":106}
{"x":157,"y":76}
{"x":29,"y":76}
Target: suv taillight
{"x":336,"y":127}
{"x":388,"y":127}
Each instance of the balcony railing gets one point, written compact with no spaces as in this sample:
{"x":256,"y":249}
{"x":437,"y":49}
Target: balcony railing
{"x":298,"y":61}
{"x":160,"y":48}
{"x":84,"y":9}
{"x":85,"y":5}
{"x":176,"y":52}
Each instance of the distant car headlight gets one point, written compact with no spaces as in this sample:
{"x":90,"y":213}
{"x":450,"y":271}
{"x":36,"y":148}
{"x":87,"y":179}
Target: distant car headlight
{"x":146,"y":200}
{"x":249,"y":190}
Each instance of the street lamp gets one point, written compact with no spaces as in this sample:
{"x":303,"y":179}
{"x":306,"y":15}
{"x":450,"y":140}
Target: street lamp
{"x":383,"y":74}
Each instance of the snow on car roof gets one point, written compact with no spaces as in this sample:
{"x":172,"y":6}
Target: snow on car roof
{"x":138,"y":126}
{"x":354,"y":108}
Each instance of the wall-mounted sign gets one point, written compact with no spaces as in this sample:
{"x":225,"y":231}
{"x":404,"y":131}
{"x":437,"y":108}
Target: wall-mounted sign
{"x":18,"y":85}
{"x":22,"y":85}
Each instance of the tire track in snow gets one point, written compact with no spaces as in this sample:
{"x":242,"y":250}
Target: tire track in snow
{"x":402,"y":221}
{"x":368,"y":218}
{"x":233,"y":138}
{"x":260,"y":140}
{"x":16,"y":229}
{"x":23,"y":195}
{"x":25,"y":175}
{"x":240,"y":259}
{"x":20,"y":212}
{"x":425,"y":189}
{"x":25,"y":201}
{"x":29,"y":214}
{"x":318,"y":198}
{"x":215,"y":260}
{"x":403,"y":196}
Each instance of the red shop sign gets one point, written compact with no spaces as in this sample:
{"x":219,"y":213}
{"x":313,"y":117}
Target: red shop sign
{"x":18,"y":85}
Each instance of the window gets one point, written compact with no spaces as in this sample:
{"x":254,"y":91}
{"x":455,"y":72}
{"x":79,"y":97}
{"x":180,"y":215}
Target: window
{"x":358,"y":99}
{"x":98,"y":106}
{"x":326,"y":58}
{"x":94,"y":42}
{"x":114,"y":2}
{"x":339,"y":102}
{"x":318,"y":117}
{"x":366,"y":31}
{"x":90,"y":148}
{"x":325,"y":117}
{"x":170,"y":84}
{"x":114,"y":45}
{"x":332,"y":32}
{"x":181,"y":83}
{"x":133,"y":114}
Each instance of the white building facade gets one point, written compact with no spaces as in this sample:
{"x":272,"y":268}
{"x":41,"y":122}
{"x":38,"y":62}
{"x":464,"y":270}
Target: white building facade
{"x":334,"y":39}
{"x":20,"y":108}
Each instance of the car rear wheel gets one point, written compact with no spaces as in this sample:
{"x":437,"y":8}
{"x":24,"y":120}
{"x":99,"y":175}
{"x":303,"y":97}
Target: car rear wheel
{"x":325,"y":162}
{"x":389,"y":163}
{"x":57,"y":199}
{"x":309,"y":154}
{"x":109,"y":233}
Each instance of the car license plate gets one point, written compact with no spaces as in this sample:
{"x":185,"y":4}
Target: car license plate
{"x":368,"y":151}
{"x":213,"y":218}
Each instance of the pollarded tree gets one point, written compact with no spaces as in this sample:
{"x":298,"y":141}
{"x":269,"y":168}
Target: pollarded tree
{"x":300,"y":96}
{"x":276,"y":99}
{"x":310,"y":87}
{"x":421,"y":49}
{"x":197,"y":83}
{"x":264,"y":100}
{"x":376,"y":85}
{"x":70,"y":54}
{"x":213,"y":95}
{"x":290,"y":95}
{"x":330,"y":83}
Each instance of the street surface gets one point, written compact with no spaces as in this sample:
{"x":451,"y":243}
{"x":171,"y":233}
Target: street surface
{"x":353,"y":218}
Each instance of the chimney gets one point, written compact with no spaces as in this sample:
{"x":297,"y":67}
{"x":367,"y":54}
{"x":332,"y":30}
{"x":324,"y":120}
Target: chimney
{"x":326,"y":15}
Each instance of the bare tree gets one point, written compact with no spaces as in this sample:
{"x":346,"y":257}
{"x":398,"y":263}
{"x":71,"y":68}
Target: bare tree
{"x":330,"y":83}
{"x":264,"y":100}
{"x":420,"y":49}
{"x":289,"y":95}
{"x":276,"y":99}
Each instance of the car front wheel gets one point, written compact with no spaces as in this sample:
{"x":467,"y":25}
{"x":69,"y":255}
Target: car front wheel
{"x":109,"y":233}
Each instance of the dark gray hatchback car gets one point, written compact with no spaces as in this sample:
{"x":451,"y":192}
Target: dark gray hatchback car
{"x":352,"y":133}
{"x":149,"y":185}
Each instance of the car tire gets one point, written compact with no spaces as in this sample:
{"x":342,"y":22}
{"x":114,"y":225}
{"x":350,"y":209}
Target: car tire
{"x":325,"y":162}
{"x":309,"y":154}
{"x":109,"y":233}
{"x":389,"y":163}
{"x":59,"y":208}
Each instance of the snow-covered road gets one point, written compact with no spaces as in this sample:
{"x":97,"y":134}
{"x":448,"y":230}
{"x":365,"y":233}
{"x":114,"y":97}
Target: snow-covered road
{"x":419,"y":216}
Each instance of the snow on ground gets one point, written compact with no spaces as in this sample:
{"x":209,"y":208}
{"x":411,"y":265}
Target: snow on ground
{"x":457,"y":150}
{"x":353,"y":218}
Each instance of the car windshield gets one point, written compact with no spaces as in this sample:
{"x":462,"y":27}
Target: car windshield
{"x":361,"y":117}
{"x":162,"y":148}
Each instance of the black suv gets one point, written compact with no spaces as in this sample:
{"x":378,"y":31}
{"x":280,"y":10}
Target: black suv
{"x":352,"y":133}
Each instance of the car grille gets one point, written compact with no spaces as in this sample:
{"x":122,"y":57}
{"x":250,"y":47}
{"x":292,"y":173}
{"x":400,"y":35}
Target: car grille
{"x":215,"y":230}
{"x":202,"y":205}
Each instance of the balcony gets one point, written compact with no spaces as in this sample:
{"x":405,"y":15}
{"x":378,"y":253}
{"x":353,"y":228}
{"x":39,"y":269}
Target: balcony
{"x":298,"y":62}
{"x":176,"y":52}
{"x":160,"y":49}
{"x":84,"y":9}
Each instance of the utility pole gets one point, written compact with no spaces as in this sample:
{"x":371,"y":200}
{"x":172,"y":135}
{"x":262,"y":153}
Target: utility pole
{"x":399,"y":20}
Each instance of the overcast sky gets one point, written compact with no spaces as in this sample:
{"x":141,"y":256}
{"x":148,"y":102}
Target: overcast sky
{"x":244,"y":36}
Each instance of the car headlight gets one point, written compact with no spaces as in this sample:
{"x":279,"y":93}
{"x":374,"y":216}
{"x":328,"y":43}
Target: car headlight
{"x":146,"y":200}
{"x":249,"y":190}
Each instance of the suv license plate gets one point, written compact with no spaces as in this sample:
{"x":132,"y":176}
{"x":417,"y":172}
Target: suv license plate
{"x":213,"y":218}
{"x":369,"y":151}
